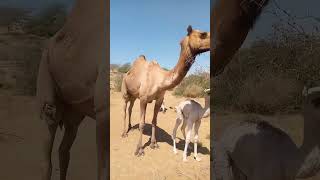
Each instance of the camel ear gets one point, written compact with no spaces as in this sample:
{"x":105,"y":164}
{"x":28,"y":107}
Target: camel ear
{"x":189,"y":29}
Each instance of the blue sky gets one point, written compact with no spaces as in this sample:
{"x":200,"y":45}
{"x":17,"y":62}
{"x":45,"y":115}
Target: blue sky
{"x":155,"y":28}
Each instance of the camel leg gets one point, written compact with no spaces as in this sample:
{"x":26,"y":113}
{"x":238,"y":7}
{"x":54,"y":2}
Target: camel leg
{"x":70,"y":133}
{"x":189,"y":129}
{"x":124,"y":133}
{"x":130,"y":112}
{"x":47,"y":150}
{"x":102,"y":123}
{"x":143,"y":107}
{"x":47,"y":114}
{"x":183,"y":129}
{"x":157,"y":106}
{"x":196,"y":131}
{"x":178,"y":122}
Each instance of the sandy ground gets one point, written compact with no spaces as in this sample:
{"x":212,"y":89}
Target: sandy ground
{"x":292,"y":124}
{"x":158,"y":164}
{"x":19,"y":143}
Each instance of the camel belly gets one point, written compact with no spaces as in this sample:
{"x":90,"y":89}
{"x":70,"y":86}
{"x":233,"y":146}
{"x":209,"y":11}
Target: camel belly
{"x":75,"y":77}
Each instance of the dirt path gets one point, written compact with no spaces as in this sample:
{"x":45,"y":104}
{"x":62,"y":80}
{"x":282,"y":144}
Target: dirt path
{"x":19,"y":143}
{"x":159,"y":164}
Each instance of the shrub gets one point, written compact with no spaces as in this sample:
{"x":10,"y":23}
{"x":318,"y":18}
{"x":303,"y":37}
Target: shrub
{"x":268,"y":76}
{"x":48,"y":21}
{"x":193,"y":85}
{"x":124,"y":68}
{"x":118,"y":82}
{"x":193,"y":91}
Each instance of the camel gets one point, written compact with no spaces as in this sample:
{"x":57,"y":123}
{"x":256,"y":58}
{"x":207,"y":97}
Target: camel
{"x":147,"y":81}
{"x":190,"y":113}
{"x":72,"y":83}
{"x":230,"y":23}
{"x":256,"y":150}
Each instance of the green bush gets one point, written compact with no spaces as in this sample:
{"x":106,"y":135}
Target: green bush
{"x":124,"y":68}
{"x":268,"y":77}
{"x":193,"y":85}
{"x":48,"y":21}
{"x":118,"y":82}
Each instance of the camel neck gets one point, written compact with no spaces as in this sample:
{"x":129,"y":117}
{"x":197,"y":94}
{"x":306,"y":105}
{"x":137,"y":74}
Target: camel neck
{"x":309,"y":161}
{"x":176,"y":75}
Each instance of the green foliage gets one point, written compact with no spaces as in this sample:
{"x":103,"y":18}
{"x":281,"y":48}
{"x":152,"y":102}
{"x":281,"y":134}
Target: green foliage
{"x":118,"y":82}
{"x":9,"y":15}
{"x":268,"y":76}
{"x":124,"y":68}
{"x":48,"y":21}
{"x":164,"y":68}
{"x":114,"y":66}
{"x":193,"y":85}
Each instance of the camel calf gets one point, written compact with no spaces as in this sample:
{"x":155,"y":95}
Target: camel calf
{"x":190,"y":113}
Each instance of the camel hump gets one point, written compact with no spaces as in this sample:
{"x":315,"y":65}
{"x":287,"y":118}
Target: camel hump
{"x":154,"y":62}
{"x":143,"y":57}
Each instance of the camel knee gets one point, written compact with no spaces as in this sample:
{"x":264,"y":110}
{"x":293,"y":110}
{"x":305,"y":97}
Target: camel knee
{"x":141,"y":126}
{"x":49,"y":113}
{"x":196,"y":139}
{"x":154,"y":122}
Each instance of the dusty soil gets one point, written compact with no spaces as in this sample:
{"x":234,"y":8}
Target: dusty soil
{"x":20,"y":133}
{"x":158,"y":164}
{"x":292,"y":124}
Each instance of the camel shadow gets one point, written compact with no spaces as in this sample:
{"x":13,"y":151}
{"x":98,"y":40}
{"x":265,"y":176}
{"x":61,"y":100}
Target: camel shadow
{"x":163,"y":136}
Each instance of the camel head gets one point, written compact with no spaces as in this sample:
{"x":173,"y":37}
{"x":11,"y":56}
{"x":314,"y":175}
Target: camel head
{"x":197,"y":41}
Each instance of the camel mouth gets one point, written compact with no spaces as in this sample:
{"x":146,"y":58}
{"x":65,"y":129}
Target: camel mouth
{"x":201,"y":51}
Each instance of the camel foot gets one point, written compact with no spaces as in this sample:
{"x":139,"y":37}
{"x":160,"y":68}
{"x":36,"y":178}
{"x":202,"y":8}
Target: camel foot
{"x":124,"y":135}
{"x":175,"y":151}
{"x":129,"y":127}
{"x":139,"y":152}
{"x":197,"y":158}
{"x":154,"y":145}
{"x":185,"y":160}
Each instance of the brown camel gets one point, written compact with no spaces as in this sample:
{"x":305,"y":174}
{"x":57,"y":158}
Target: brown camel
{"x":72,"y":84}
{"x":230,"y":23}
{"x":148,"y":81}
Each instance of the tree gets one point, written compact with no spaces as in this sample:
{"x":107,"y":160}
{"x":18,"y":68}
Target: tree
{"x":48,"y":21}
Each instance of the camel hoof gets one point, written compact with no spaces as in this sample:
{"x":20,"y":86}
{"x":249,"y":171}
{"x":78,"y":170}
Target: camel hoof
{"x":139,"y":152}
{"x":197,"y":159}
{"x":175,"y":151}
{"x":154,"y":146}
{"x":124,"y":135}
{"x":185,"y":160}
{"x":129,"y":128}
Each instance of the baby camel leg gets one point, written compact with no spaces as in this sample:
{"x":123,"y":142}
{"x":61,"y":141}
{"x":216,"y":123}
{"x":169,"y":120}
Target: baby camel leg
{"x":71,"y":128}
{"x":196,"y":130}
{"x":189,"y":129}
{"x":178,"y":122}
